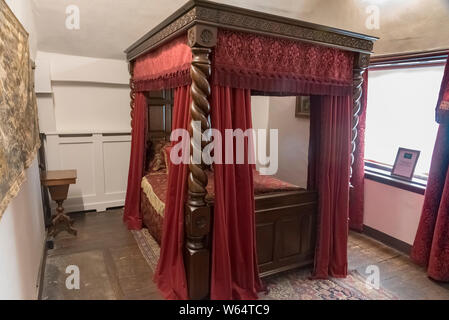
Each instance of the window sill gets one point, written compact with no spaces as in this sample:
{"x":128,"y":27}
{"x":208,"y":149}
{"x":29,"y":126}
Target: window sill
{"x":384,"y":177}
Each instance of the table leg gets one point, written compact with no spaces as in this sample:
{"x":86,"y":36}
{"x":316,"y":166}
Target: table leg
{"x":61,"y":222}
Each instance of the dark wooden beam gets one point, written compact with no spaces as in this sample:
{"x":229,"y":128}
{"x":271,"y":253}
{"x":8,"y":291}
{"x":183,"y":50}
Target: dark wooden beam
{"x":409,"y":60}
{"x":410,"y":56}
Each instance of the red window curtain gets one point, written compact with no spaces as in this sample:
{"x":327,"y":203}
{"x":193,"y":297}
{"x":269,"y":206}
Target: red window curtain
{"x":170,"y":274}
{"x":442,"y":110}
{"x":234,"y":261}
{"x":132,"y":215}
{"x":329,"y":162}
{"x":431,"y":246}
{"x":357,"y":192}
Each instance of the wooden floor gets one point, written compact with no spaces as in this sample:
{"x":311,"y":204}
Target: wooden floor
{"x":398,"y":274}
{"x":112,"y":267}
{"x":110,"y":263}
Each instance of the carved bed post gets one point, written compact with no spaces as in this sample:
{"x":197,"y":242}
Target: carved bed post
{"x":198,"y":214}
{"x":361,"y":62}
{"x":132,"y":93}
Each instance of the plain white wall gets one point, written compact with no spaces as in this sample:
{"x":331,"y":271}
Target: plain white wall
{"x":293,"y":140}
{"x":259,"y":114}
{"x":22,"y":236}
{"x":87,"y":107}
{"x":278,"y":113}
{"x":393,"y":211}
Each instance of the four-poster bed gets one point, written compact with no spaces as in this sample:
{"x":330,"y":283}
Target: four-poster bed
{"x":214,"y":56}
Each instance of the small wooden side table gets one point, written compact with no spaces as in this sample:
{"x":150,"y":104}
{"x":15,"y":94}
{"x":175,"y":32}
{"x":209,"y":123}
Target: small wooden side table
{"x":58,"y":183}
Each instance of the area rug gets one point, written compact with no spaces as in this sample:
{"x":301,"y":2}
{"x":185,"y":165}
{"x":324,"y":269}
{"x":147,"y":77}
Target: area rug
{"x":291,"y":285}
{"x":297,"y":285}
{"x":148,"y":246}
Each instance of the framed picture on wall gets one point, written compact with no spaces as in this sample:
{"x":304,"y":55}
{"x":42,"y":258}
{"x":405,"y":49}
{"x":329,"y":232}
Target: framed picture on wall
{"x":302,"y":107}
{"x":405,"y":163}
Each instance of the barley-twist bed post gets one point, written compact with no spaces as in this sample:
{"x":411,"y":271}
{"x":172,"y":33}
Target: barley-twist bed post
{"x":361,"y":62}
{"x":198,"y":214}
{"x":132,"y":93}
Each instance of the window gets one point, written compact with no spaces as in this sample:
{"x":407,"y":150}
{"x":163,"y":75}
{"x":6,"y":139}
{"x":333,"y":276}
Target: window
{"x":401,"y":113}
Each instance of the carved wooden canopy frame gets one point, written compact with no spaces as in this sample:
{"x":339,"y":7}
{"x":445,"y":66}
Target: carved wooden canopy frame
{"x":200,"y":20}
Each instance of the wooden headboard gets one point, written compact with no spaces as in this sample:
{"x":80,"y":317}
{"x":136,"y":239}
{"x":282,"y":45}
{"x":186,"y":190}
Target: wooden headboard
{"x":160,"y":110}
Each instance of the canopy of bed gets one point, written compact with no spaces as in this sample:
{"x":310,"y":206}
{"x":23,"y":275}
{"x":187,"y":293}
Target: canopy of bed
{"x":214,"y":56}
{"x":250,"y":61}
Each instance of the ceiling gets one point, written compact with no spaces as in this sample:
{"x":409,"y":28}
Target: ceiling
{"x":108,"y":27}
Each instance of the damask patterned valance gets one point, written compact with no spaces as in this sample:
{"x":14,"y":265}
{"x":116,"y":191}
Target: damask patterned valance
{"x":19,"y":133}
{"x":263,"y":63}
{"x":252,"y":61}
{"x":165,"y":67}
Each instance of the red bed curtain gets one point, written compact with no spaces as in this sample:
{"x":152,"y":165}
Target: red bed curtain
{"x":132,"y":215}
{"x":329,"y":163}
{"x":234,"y":261}
{"x":244,"y":62}
{"x":357,"y":192}
{"x":170,"y":274}
{"x":280,"y":66}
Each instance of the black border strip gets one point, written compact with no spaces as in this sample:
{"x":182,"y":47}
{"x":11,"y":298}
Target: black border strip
{"x":386,"y":239}
{"x":395,"y":182}
{"x":382,"y":174}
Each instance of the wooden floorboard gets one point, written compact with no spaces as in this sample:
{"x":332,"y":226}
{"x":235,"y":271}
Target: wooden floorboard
{"x":112,"y":267}
{"x":398,"y":274}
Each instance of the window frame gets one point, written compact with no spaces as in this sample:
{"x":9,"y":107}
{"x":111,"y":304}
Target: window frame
{"x":380,"y":172}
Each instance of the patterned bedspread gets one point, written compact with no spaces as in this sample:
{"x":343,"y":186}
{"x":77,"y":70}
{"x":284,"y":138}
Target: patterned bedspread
{"x":154,"y":189}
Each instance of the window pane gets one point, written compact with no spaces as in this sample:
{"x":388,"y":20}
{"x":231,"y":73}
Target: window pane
{"x":401,"y":113}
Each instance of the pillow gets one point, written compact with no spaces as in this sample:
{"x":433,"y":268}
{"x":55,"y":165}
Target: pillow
{"x":158,"y":163}
{"x":167,"y":150}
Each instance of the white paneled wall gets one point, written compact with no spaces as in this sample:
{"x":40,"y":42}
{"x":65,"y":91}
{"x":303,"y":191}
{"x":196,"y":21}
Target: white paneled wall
{"x":101,"y":161}
{"x":84,"y":111}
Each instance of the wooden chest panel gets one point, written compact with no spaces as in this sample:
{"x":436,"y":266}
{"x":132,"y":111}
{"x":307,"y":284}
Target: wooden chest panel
{"x":285,"y":231}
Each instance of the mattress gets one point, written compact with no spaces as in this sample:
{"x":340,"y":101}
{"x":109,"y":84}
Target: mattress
{"x":154,"y":189}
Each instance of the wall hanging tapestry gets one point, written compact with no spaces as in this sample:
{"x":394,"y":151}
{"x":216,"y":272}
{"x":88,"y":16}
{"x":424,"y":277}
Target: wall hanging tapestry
{"x":19,"y":133}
